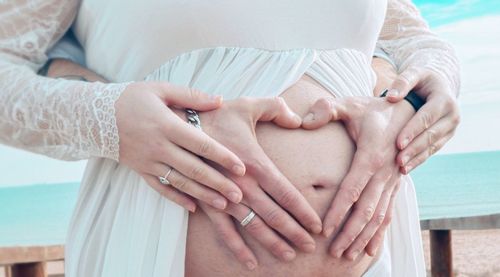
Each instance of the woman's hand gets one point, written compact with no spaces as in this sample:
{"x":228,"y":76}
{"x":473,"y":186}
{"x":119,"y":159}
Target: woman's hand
{"x":153,"y":139}
{"x":433,"y":125}
{"x":369,"y":186}
{"x":265,"y":190}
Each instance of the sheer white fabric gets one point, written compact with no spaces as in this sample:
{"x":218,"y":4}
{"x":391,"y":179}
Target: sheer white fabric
{"x":63,"y":119}
{"x":406,"y":37}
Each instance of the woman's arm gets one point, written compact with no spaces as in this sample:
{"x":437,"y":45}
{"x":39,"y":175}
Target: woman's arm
{"x":73,"y":120}
{"x":59,"y":118}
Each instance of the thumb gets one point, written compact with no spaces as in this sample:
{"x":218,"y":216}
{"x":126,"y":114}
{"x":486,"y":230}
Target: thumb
{"x":185,"y":97}
{"x":405,"y":82}
{"x":277,"y":111}
{"x":325,"y":110}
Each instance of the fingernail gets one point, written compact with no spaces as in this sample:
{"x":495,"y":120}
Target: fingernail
{"x":219,"y":204}
{"x":393,"y":92}
{"x":216,"y":98}
{"x":405,"y":159}
{"x":309,"y":247}
{"x":239,"y":170}
{"x":354,"y":255}
{"x":251,"y":265}
{"x":328,"y":231}
{"x":316,"y":229}
{"x":234,"y":197}
{"x":405,"y":143}
{"x":408,"y":169}
{"x":192,"y":209}
{"x":309,"y":117}
{"x":338,"y":253}
{"x":288,"y":255}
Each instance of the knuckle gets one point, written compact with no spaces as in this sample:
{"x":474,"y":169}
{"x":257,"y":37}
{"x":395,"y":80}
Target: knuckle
{"x":432,"y":149}
{"x":426,"y":119}
{"x":431,"y":136}
{"x":368,"y":213}
{"x":194,"y":93}
{"x":350,"y":236}
{"x":275,"y":218}
{"x":353,"y":193}
{"x":197,"y":173}
{"x":365,"y":241}
{"x":181,"y":184}
{"x":288,"y":199}
{"x":324,"y":104}
{"x":379,"y":219}
{"x":205,"y":148}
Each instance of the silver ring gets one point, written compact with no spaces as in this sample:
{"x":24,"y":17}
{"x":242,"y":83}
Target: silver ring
{"x":248,"y":218}
{"x":164,"y":179}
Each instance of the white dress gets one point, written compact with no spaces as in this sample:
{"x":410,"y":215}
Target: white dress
{"x":122,"y":227}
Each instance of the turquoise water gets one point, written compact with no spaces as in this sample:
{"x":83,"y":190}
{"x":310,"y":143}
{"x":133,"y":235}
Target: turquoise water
{"x":447,"y":11}
{"x":454,"y":185}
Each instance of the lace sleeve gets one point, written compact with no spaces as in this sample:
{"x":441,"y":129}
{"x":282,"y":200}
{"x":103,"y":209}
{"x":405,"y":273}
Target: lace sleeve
{"x":62,"y":119}
{"x":406,"y":37}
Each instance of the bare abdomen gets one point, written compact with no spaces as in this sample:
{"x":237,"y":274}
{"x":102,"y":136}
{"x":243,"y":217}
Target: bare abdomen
{"x":315,"y":163}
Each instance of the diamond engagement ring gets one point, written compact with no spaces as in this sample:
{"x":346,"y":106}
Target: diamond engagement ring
{"x":164,"y":179}
{"x":248,"y":218}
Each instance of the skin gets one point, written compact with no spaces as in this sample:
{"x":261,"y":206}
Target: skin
{"x":370,"y":230}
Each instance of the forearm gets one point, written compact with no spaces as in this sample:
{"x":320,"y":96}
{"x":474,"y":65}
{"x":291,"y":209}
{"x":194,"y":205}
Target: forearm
{"x":62,"y":68}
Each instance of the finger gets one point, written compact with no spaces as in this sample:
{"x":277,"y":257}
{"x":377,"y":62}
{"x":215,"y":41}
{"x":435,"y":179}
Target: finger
{"x":263,"y":233}
{"x":359,"y":245}
{"x":277,"y":111}
{"x":425,"y":141}
{"x":325,"y":110}
{"x":424,"y":155}
{"x":204,"y":146}
{"x":405,"y":81}
{"x":279,"y":187}
{"x":186,"y":97}
{"x":378,"y":238}
{"x":195,"y":169}
{"x":362,"y":213}
{"x":225,"y":229}
{"x":431,"y":112}
{"x":170,"y":193}
{"x":190,"y":187}
{"x":278,"y":219}
{"x":363,"y":167}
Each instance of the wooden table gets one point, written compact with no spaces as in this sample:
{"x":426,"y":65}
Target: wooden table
{"x":441,"y":238}
{"x":29,"y":261}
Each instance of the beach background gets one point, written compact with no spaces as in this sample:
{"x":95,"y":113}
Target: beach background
{"x":472,"y":26}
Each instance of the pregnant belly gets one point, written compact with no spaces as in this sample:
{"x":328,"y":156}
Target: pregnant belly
{"x":315,"y":163}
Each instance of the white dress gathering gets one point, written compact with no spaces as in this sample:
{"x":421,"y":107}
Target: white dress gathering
{"x":122,"y":227}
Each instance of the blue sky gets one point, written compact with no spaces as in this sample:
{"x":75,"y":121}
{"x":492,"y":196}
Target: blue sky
{"x":439,"y":12}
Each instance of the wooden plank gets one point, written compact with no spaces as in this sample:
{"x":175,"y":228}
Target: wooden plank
{"x":462,"y":223}
{"x":29,"y":270}
{"x":441,"y":253}
{"x":17,"y":255}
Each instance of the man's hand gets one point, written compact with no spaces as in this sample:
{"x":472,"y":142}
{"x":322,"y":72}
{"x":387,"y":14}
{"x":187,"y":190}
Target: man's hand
{"x":368,"y":187}
{"x":433,"y":125}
